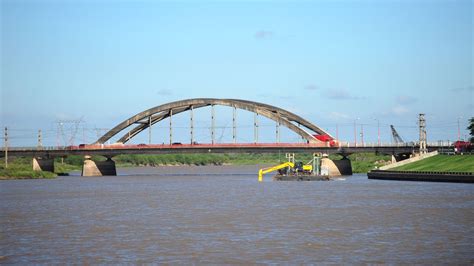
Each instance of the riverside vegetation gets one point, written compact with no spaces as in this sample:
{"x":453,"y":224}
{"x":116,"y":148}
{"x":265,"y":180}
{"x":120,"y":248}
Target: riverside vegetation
{"x":20,"y":168}
{"x":361,"y":163}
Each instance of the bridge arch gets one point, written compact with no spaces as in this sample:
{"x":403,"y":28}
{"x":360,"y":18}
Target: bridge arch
{"x":156,"y":114}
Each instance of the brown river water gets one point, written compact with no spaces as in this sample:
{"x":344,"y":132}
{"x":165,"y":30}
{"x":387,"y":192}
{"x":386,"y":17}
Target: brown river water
{"x":222,"y":215}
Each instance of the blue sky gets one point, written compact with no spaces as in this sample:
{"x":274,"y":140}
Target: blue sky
{"x":331,"y":62}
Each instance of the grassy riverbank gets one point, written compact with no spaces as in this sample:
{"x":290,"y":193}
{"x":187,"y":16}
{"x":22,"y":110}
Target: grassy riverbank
{"x":20,"y":172}
{"x":21,"y":168}
{"x":441,"y":163}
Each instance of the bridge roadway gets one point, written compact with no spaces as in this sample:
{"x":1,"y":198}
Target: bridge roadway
{"x":114,"y":149}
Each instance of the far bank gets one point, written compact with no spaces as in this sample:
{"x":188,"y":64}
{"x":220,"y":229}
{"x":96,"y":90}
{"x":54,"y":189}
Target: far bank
{"x":22,"y":167}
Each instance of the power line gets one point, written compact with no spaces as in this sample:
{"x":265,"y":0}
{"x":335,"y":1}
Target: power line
{"x":72,"y":125}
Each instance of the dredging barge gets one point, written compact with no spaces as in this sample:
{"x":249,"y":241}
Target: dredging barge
{"x":291,"y":171}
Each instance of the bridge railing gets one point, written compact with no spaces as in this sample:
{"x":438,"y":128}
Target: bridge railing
{"x":44,"y":148}
{"x":374,"y":145}
{"x":345,"y":144}
{"x":340,"y":144}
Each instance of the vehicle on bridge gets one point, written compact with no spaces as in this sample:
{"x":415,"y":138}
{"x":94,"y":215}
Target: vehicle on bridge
{"x":330,"y":141}
{"x":462,"y":146}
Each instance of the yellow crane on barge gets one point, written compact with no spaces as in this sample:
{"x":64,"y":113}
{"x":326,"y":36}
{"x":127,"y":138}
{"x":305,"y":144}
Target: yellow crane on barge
{"x":295,"y":171}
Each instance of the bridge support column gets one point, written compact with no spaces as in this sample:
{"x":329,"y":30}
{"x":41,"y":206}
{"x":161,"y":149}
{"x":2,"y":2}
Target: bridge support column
{"x":336,"y":167}
{"x":43,"y":164}
{"x":103,"y":168}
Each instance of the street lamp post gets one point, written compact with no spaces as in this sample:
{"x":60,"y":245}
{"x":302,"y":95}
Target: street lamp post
{"x":6,"y":147}
{"x":355,"y":131}
{"x":378,"y":131}
{"x":459,"y":130}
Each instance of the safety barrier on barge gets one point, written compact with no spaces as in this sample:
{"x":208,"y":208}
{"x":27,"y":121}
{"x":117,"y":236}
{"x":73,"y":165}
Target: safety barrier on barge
{"x":456,"y":177}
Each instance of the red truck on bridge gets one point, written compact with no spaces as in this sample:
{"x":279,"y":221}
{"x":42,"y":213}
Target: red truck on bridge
{"x":327,"y":139}
{"x":462,"y":146}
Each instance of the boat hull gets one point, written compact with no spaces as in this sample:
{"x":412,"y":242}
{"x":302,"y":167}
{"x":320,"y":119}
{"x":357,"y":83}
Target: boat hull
{"x":301,"y":178}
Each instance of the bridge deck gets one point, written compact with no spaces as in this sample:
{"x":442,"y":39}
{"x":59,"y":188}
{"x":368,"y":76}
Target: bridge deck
{"x":113,"y":150}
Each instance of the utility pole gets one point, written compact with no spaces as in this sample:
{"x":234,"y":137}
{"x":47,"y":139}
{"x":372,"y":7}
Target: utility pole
{"x":422,"y":125}
{"x":255,"y":127}
{"x":278,"y":131}
{"x":378,"y":131}
{"x":171,"y":126}
{"x":234,"y":125}
{"x":83,"y":134}
{"x":459,"y":131}
{"x":362,"y":134}
{"x":57,"y":135}
{"x":213,"y":125}
{"x":149,"y":129}
{"x":6,"y":147}
{"x":355,"y":133}
{"x":40,"y":144}
{"x":64,"y":126}
{"x":192,"y":124}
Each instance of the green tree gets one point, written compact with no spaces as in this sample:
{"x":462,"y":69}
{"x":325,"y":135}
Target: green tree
{"x":471,"y":129}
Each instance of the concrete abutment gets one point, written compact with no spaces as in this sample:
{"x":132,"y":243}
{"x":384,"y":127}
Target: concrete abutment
{"x":99,"y":168}
{"x":43,"y":164}
{"x":336,"y":167}
{"x":408,"y":160}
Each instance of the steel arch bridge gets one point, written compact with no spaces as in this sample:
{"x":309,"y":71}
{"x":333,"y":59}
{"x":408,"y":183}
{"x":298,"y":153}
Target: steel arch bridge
{"x":148,"y":118}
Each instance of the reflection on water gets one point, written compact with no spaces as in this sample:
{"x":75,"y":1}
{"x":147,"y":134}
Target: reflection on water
{"x":223,"y":215}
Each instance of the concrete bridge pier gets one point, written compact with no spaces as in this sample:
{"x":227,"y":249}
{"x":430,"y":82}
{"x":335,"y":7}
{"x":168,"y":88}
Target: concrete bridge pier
{"x":336,"y":167}
{"x":99,"y":168}
{"x":43,"y":164}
